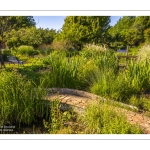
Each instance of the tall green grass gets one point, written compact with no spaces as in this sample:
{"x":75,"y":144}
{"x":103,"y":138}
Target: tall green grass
{"x":64,"y":71}
{"x":95,"y":71}
{"x":76,"y":71}
{"x":121,"y":85}
{"x":21,"y":101}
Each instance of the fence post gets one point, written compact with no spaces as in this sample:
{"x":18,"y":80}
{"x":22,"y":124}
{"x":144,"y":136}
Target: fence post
{"x":127,"y":57}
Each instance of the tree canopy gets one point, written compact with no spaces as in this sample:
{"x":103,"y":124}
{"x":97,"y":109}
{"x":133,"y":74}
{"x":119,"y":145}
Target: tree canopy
{"x":130,"y":30}
{"x":77,"y":31}
{"x":30,"y":36}
{"x":84,"y":29}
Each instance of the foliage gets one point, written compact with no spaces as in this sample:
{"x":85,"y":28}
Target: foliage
{"x":147,"y":35}
{"x":23,"y":36}
{"x":122,"y":85}
{"x":119,"y":31}
{"x":142,"y":102}
{"x":142,"y":23}
{"x":130,"y":30}
{"x":94,"y":47}
{"x":27,"y":50}
{"x":57,"y":118}
{"x":80,"y":30}
{"x":8,"y":23}
{"x":29,"y":36}
{"x":92,"y":70}
{"x":63,"y":72}
{"x":21,"y":101}
{"x":47,"y":35}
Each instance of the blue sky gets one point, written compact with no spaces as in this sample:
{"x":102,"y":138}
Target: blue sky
{"x":56,"y":22}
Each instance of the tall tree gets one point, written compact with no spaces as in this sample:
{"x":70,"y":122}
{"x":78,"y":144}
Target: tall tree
{"x":85,"y":29}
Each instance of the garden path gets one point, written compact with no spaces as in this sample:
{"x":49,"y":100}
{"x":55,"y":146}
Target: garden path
{"x":79,"y":99}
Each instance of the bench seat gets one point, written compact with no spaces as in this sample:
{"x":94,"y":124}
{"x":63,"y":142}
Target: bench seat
{"x":13,"y":59}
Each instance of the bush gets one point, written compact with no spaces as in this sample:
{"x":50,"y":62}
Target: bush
{"x":33,"y":52}
{"x":27,"y":50}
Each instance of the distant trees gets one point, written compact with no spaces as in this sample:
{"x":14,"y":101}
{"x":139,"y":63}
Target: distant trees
{"x":76,"y":31}
{"x":120,"y":32}
{"x":21,"y":30}
{"x":7,"y":23}
{"x":130,"y":30}
{"x":30,"y":36}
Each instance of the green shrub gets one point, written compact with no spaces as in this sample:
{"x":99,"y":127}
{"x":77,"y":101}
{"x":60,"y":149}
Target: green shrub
{"x":33,"y":52}
{"x":57,"y":118}
{"x":27,"y":50}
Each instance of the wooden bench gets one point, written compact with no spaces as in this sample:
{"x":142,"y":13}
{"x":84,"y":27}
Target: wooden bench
{"x":14,"y":60}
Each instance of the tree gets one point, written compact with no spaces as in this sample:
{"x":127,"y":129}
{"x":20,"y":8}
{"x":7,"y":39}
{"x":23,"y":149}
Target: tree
{"x":84,"y":29}
{"x":8,"y":23}
{"x":133,"y":37}
{"x":29,"y":36}
{"x":47,"y":35}
{"x":23,"y":36}
{"x":121,"y":31}
{"x":131,"y":30}
{"x":142,"y":23}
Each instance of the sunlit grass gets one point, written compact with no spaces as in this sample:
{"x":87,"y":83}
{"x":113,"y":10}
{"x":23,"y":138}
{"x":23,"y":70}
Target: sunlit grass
{"x":96,"y":72}
{"x":19,"y":101}
{"x":100,"y":118}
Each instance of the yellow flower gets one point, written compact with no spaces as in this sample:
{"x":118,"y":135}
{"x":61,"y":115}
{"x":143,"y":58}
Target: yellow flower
{"x":126,"y":70}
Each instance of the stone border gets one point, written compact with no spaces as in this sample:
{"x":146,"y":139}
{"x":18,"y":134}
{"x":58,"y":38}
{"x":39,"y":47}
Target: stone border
{"x":74,"y":92}
{"x":87,"y":95}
